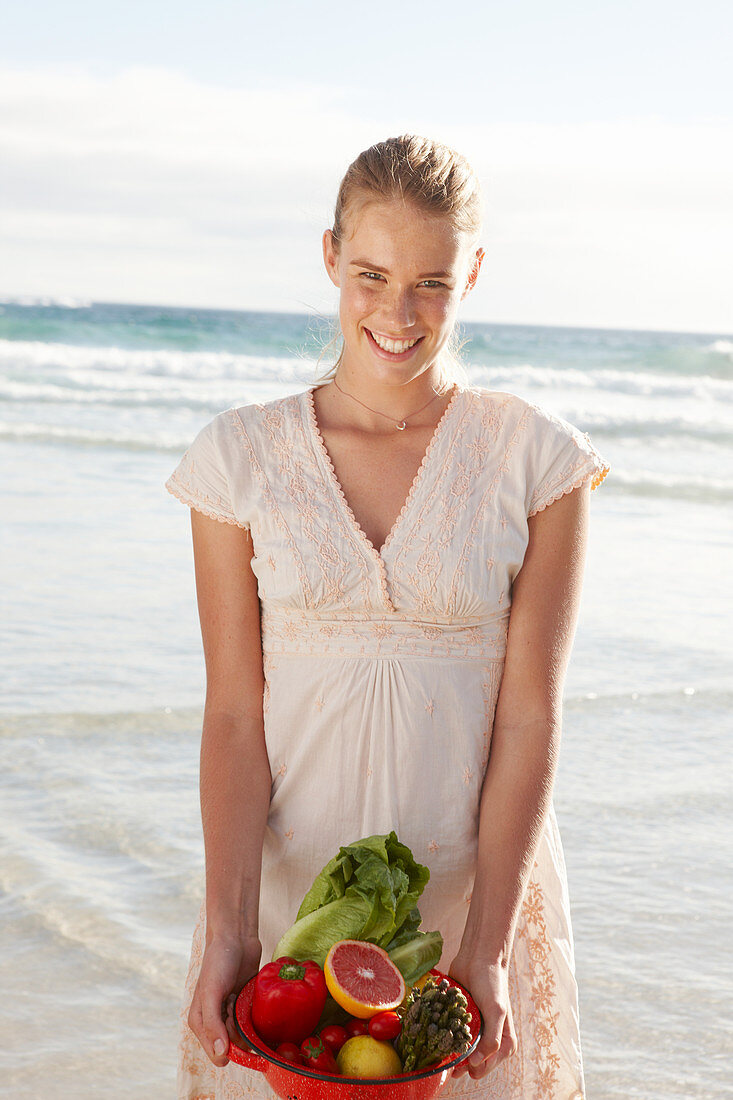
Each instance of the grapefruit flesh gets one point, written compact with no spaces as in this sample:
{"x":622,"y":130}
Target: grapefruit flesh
{"x":362,"y":978}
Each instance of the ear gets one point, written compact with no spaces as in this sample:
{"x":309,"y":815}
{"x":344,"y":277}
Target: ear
{"x":473,"y":273}
{"x":330,"y":258}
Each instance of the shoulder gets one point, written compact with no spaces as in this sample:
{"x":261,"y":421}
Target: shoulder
{"x":545,"y":454}
{"x":263,"y":412}
{"x":530,"y":421}
{"x":509,"y":415}
{"x":225,"y":433}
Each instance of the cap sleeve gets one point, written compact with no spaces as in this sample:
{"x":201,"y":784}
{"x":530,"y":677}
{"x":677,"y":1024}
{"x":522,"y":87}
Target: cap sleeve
{"x":204,"y":478}
{"x":561,"y":459}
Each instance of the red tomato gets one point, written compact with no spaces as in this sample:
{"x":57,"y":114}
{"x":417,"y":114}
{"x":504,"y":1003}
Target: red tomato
{"x":357,"y":1027}
{"x":290,"y":1052}
{"x":385,"y":1026}
{"x":334,"y":1036}
{"x":318,"y":1055}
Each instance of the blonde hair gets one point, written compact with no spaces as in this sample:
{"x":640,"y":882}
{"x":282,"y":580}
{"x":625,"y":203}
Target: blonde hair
{"x":436,"y":180}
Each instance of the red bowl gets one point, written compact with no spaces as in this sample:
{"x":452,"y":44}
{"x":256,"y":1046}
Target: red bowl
{"x":299,"y":1083}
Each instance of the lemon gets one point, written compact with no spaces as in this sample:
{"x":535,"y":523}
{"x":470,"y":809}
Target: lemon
{"x":363,"y":1056}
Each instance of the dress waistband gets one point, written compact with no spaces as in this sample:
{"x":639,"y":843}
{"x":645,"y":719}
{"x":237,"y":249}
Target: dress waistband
{"x":308,"y":635}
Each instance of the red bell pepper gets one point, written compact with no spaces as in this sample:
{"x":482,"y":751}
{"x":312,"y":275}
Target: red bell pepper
{"x":288,"y":1000}
{"x":318,"y":1055}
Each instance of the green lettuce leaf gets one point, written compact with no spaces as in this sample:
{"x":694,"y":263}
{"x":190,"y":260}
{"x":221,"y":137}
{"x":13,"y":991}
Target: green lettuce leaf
{"x":415,"y":956}
{"x":368,"y":891}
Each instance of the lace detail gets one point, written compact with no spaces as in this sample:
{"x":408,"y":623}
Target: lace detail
{"x":568,"y":457}
{"x":305,"y":635}
{"x":597,"y":476}
{"x":270,"y":501}
{"x":544,"y":1012}
{"x":207,"y":509}
{"x":490,"y":421}
{"x":336,"y":486}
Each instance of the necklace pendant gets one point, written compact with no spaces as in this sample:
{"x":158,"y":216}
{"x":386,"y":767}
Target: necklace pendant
{"x":401,"y":427}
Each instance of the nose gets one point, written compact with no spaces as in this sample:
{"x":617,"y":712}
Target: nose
{"x":401,"y":310}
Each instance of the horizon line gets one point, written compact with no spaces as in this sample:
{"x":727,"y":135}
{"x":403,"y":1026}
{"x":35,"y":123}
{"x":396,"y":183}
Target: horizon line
{"x":72,"y":302}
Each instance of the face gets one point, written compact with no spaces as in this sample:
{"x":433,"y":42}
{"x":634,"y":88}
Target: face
{"x":402,"y":275}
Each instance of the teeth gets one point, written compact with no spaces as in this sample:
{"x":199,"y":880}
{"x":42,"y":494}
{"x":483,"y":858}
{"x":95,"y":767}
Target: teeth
{"x":393,"y":346}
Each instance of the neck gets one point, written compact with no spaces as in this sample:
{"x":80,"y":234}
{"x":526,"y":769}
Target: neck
{"x":398,"y":401}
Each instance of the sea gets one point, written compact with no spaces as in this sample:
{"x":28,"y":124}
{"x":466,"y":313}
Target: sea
{"x":102,"y":684}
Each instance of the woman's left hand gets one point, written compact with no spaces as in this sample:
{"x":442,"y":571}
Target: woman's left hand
{"x":488,"y":985}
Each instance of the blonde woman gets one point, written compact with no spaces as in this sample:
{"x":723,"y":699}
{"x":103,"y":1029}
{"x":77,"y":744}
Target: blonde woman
{"x":388,"y":570}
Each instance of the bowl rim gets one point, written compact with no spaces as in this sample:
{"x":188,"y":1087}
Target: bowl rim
{"x":412,"y":1075}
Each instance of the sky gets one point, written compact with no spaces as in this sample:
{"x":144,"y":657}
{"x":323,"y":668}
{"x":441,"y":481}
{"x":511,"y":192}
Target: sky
{"x":190,"y":155}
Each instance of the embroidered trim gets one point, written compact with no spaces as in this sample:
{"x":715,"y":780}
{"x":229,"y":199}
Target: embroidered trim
{"x":439,"y":429}
{"x":187,"y":497}
{"x":489,"y":420}
{"x":598,"y":475}
{"x":544,"y":1015}
{"x":336,"y":486}
{"x":269,"y":499}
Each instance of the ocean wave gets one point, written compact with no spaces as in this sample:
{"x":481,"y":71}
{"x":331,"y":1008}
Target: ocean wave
{"x":210,"y":397}
{"x":162,"y":442}
{"x":644,"y":425}
{"x":48,"y":723}
{"x":84,"y":363}
{"x":701,"y":490}
{"x":116,"y":370}
{"x":634,"y":383}
{"x":721,"y":347}
{"x":65,"y":302}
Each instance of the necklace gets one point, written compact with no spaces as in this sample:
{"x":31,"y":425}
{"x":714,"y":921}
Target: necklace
{"x":400,"y":425}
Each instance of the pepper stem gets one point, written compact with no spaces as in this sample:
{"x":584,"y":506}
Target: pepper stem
{"x":291,"y":972}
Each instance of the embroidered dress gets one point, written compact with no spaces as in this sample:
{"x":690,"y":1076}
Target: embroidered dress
{"x":382,"y":671}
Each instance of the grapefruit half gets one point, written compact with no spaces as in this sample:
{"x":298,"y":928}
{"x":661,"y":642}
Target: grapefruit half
{"x":362,"y":978}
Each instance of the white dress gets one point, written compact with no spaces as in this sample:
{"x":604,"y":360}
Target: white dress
{"x":382,"y":672}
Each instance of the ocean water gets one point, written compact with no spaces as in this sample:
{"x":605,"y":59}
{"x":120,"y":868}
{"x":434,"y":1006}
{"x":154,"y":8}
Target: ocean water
{"x":102,"y":684}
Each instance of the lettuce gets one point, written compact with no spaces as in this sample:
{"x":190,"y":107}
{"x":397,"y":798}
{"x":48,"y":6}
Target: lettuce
{"x":368,"y":891}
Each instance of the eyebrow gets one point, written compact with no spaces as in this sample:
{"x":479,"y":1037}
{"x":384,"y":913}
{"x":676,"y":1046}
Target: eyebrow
{"x":385,"y":271}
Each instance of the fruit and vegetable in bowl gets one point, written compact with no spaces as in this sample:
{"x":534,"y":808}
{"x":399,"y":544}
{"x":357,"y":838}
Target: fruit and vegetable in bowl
{"x":349,"y":992}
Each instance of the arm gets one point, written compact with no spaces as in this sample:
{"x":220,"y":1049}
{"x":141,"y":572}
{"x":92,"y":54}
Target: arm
{"x":235,"y":772}
{"x":517,"y":787}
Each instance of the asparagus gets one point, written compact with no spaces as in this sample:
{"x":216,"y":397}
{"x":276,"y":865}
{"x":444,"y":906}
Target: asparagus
{"x":434,"y":1025}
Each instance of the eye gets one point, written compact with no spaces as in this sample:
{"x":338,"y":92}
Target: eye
{"x":371,"y":275}
{"x":431,"y":284}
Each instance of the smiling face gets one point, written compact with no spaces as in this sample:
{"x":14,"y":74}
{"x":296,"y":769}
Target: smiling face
{"x":402,"y":274}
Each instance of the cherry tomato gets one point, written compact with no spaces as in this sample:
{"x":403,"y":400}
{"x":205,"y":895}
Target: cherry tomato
{"x":318,"y":1055}
{"x":334,"y":1036}
{"x":357,"y":1027}
{"x":385,"y":1026}
{"x":290,"y":1052}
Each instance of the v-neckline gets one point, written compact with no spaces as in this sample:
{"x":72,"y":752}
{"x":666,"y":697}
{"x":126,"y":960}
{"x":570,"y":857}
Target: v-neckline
{"x":416,"y":481}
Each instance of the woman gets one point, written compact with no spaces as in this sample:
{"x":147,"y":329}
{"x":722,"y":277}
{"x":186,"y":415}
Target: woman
{"x":388,"y":570}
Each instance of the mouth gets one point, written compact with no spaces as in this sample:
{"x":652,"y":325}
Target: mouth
{"x":393,"y":349}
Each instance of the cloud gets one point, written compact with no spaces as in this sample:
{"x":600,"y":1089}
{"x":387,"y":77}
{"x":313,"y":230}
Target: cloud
{"x":148,"y":182}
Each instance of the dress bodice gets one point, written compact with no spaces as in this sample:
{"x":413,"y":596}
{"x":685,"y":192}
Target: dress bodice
{"x":443,"y":579}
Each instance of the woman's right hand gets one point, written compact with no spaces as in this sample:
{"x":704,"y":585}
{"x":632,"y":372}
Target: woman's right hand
{"x":228,"y":964}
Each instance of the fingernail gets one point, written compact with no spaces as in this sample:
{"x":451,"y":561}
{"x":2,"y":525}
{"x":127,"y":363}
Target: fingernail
{"x":219,"y":1047}
{"x":476,"y":1060}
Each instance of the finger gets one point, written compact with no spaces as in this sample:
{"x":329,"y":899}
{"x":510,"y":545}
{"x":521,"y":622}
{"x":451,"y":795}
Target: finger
{"x":230,"y":1021}
{"x":507,"y":1047}
{"x":485,"y":1054}
{"x":214,"y":1038}
{"x":195,"y":1019}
